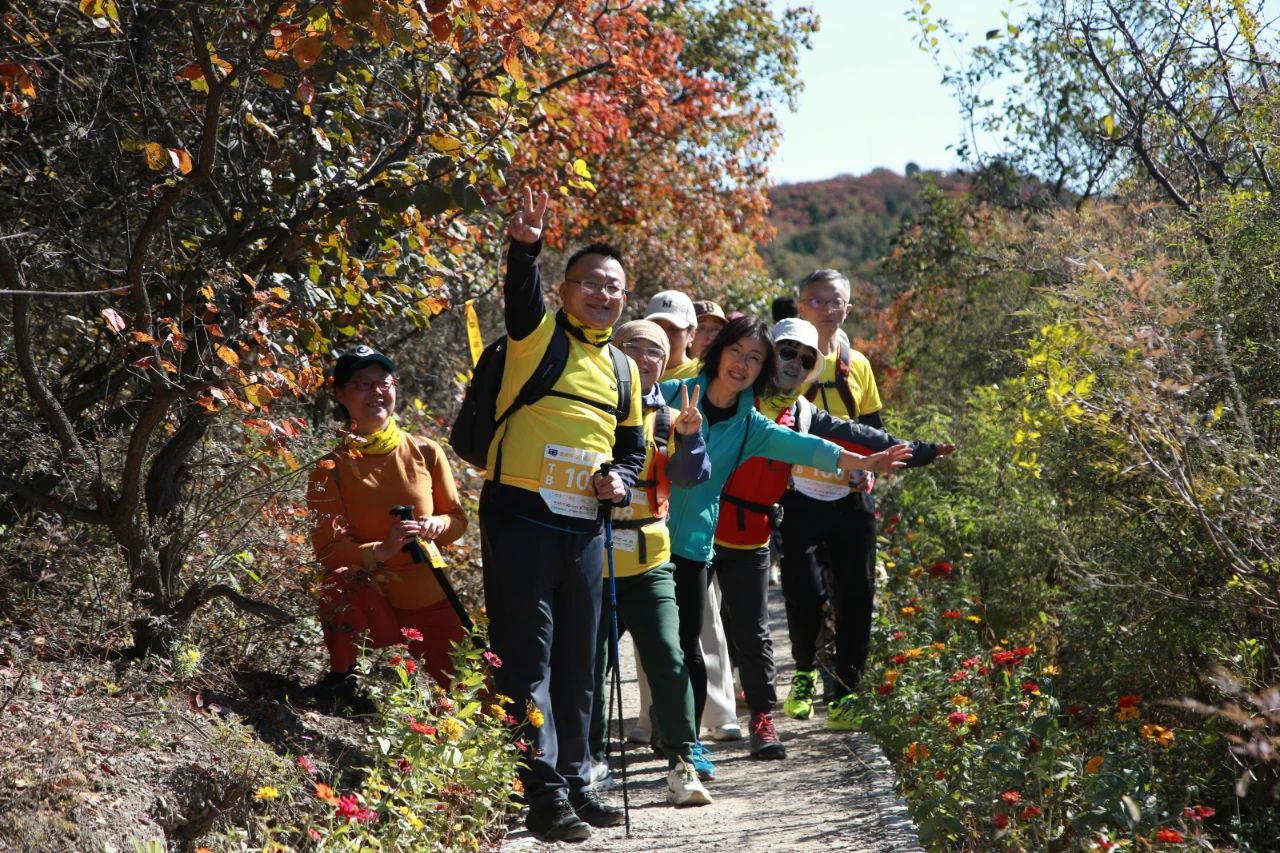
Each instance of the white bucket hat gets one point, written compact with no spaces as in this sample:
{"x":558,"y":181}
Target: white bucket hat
{"x":674,"y":307}
{"x":801,"y":332}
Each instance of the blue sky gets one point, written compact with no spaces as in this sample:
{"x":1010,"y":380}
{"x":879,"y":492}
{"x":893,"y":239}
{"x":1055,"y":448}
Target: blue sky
{"x":871,"y":96}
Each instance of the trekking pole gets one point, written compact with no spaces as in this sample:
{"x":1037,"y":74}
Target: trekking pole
{"x":419,"y":555}
{"x":615,"y":688}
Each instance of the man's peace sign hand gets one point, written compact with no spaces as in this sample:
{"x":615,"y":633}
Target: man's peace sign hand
{"x":525,"y":226}
{"x":689,"y":420}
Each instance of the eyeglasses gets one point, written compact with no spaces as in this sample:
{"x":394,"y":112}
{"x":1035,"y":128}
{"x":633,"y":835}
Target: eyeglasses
{"x":822,"y":304}
{"x":789,"y":353}
{"x":611,"y":289}
{"x":364,"y":386}
{"x":638,"y":352}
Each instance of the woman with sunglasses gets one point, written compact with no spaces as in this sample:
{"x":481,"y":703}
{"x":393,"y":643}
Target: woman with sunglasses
{"x":371,"y":590}
{"x":750,"y":512}
{"x":739,"y":364}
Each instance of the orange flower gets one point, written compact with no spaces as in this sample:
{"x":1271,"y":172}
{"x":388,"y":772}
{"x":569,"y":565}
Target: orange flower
{"x":1159,"y":734}
{"x":1011,"y":797}
{"x":1127,"y":713}
{"x":916,"y":752}
{"x":890,"y":675}
{"x":325,"y":793}
{"x":1093,"y":764}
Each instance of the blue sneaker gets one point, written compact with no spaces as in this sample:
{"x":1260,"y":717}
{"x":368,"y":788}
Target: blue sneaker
{"x":702,"y":762}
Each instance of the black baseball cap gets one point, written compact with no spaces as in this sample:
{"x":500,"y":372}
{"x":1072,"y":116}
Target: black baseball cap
{"x":355,"y":358}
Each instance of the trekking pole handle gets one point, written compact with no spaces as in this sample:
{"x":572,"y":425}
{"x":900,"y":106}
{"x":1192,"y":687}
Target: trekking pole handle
{"x":414,"y":548}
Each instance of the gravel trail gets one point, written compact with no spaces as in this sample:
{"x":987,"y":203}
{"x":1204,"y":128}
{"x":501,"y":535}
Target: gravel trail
{"x":832,"y":792}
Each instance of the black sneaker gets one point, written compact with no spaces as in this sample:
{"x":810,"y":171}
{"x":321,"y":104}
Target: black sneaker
{"x":595,"y":811}
{"x":557,"y":822}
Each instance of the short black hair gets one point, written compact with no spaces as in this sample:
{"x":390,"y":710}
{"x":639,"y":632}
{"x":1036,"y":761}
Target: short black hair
{"x":784,"y":308}
{"x":608,"y":250}
{"x":735,"y":330}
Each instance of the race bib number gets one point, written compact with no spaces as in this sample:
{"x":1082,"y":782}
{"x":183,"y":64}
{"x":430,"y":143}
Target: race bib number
{"x":626,"y":540}
{"x":820,"y":485}
{"x":565,"y":480}
{"x":638,"y":508}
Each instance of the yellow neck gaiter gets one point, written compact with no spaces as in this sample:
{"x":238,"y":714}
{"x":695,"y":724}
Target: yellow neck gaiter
{"x":599,"y":337}
{"x":378,"y":443}
{"x":777,"y":404}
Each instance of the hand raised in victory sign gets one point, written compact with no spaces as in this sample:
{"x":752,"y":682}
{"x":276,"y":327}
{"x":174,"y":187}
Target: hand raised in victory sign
{"x":689,"y":421}
{"x":525,"y":226}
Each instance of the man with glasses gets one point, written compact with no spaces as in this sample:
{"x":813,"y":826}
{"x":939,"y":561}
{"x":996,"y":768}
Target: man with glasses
{"x":540,"y":521}
{"x":837,"y":515}
{"x":749,"y":512}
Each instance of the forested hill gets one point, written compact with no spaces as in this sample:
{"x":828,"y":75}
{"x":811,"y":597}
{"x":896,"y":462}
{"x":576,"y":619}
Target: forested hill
{"x":844,"y":222}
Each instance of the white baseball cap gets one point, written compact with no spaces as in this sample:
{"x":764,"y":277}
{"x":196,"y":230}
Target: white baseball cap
{"x":674,"y":307}
{"x":795,"y":329}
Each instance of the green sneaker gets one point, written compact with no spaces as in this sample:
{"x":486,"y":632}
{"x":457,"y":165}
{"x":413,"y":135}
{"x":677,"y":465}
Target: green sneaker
{"x":799,"y":704}
{"x":840,"y":714}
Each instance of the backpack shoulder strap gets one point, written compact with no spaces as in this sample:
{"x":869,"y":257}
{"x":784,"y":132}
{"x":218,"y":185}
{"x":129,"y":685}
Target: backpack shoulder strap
{"x":662,"y":428}
{"x":804,"y":415}
{"x":843,"y":360}
{"x":550,"y":366}
{"x":622,"y":370}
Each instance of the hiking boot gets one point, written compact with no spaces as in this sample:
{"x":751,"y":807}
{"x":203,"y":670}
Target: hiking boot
{"x":702,"y":762}
{"x":765,"y":744}
{"x":841,"y":714}
{"x":683,"y":786}
{"x":557,"y":822}
{"x":595,"y":811}
{"x":799,"y":704}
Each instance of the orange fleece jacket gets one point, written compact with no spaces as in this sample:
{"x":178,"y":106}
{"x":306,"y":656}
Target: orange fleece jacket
{"x":351,"y":505}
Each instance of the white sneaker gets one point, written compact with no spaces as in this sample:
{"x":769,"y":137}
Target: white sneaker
{"x":599,"y":772}
{"x":686,"y":790}
{"x":729,"y":731}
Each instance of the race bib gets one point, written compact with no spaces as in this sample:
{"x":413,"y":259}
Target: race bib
{"x":626,"y":540}
{"x":820,"y":485}
{"x":565,"y":480}
{"x":638,"y":508}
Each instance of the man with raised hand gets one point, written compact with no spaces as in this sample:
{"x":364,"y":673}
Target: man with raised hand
{"x":540,"y":520}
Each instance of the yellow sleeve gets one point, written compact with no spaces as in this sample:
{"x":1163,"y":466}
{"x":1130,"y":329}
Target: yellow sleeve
{"x":868,"y":394}
{"x":635,"y":415}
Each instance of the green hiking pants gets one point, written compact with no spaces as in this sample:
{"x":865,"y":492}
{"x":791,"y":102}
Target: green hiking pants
{"x":647,"y":608}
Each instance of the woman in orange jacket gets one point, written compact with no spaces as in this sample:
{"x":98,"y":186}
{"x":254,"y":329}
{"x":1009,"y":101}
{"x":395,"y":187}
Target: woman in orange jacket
{"x":372,"y":591}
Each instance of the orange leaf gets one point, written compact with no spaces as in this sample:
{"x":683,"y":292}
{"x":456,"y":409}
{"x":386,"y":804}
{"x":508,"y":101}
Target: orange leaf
{"x":272,"y":79}
{"x":181,"y":160}
{"x":441,"y":27}
{"x":155,"y":156}
{"x":227,"y":354}
{"x":325,"y":464}
{"x":143,"y":338}
{"x":114,"y":321}
{"x":528,"y":37}
{"x":306,"y":51}
{"x":192,"y":71}
{"x":341,"y":37}
{"x":511,"y":64}
{"x":169,"y":366}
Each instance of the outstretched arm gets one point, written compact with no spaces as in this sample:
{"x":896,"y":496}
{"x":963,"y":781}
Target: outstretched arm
{"x":524,"y":306}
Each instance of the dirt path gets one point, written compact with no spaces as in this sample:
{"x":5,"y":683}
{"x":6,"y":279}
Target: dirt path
{"x":833,"y":791}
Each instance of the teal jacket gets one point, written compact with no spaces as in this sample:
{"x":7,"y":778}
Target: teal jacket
{"x":694,"y":510}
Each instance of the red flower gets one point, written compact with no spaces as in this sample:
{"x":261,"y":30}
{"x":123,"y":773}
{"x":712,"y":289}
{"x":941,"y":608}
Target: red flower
{"x":404,"y":765}
{"x":522,"y":746}
{"x":410,"y":666}
{"x":899,"y":635}
{"x":1103,"y":844}
{"x":895,"y":518}
{"x":306,"y":765}
{"x":958,"y":675}
{"x":970,"y":663}
{"x":1004,"y":658}
{"x":444,"y":705}
{"x":1023,"y":651}
{"x":413,"y":635}
{"x":422,"y":728}
{"x":1030,"y":687}
{"x":1011,"y":797}
{"x":885,"y":689}
{"x":899,"y":659}
{"x":1033,"y":745}
{"x":1030,"y":812}
{"x":1128,"y":701}
{"x":349,"y":807}
{"x":939,"y":775}
{"x":1073,"y":709}
{"x":952,"y":614}
{"x":1001,"y":821}
{"x":940,"y":569}
{"x":982,"y":670}
{"x":494,"y":660}
{"x":1199,"y":812}
{"x":956,"y":718}
{"x":1170,"y":835}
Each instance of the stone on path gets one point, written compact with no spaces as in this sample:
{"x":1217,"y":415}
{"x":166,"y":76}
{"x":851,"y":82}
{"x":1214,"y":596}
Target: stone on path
{"x":834,"y":791}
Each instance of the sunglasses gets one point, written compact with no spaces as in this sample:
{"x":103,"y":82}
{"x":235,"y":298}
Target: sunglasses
{"x":790,"y":353}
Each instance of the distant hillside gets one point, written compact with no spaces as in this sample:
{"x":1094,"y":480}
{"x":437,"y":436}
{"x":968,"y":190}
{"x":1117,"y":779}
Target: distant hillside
{"x":844,"y":222}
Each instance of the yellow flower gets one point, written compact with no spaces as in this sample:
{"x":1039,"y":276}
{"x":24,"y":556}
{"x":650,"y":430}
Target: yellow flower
{"x":517,"y":785}
{"x":914,"y":654}
{"x":534,"y":715}
{"x":1093,"y":764}
{"x":915,"y":573}
{"x":942,"y":647}
{"x":498,"y":711}
{"x":974,"y":618}
{"x":909,"y":610}
{"x":267,"y":792}
{"x":450,"y":728}
{"x":959,"y":700}
{"x":971,"y":720}
{"x":413,"y":819}
{"x":1050,"y":670}
{"x":1159,"y":734}
{"x":1127,"y":713}
{"x":504,"y":699}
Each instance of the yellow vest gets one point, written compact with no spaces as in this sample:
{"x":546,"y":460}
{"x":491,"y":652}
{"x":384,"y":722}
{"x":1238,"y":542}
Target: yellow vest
{"x":655,"y":536}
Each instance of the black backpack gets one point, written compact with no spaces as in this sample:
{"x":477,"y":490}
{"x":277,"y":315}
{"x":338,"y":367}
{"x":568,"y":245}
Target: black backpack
{"x":478,"y":419}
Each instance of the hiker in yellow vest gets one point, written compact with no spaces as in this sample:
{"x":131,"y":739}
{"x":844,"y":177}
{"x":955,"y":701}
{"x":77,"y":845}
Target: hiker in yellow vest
{"x":540,"y":514}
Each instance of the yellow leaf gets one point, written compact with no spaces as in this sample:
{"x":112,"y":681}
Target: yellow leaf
{"x":1109,"y":125}
{"x":227,"y":354}
{"x":580,"y":168}
{"x":259,"y":395}
{"x":155,"y":155}
{"x":444,"y":142}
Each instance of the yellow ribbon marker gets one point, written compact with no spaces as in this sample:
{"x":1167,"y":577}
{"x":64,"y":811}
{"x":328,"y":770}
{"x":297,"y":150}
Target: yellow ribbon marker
{"x":474,"y":338}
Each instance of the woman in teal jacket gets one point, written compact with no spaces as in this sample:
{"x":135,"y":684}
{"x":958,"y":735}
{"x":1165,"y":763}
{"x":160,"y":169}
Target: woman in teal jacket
{"x":738,"y":365}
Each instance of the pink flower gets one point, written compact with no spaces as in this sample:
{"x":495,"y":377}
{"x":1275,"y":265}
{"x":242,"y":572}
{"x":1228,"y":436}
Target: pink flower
{"x":413,"y":635}
{"x":970,"y":663}
{"x":493,"y":660}
{"x":313,"y":834}
{"x":1199,"y":812}
{"x":956,"y":718}
{"x":306,"y":765}
{"x":349,"y":807}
